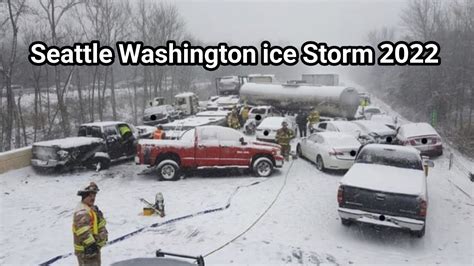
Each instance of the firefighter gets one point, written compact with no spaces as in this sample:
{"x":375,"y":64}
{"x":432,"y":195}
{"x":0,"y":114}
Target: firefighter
{"x":88,"y":227}
{"x":244,"y":113}
{"x":283,"y":137}
{"x":233,"y":119}
{"x":313,"y":118}
{"x":159,"y":133}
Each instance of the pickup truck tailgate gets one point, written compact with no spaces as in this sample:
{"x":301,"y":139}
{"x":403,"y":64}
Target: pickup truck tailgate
{"x":381,"y":202}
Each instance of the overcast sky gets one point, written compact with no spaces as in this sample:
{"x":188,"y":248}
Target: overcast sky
{"x":249,"y":22}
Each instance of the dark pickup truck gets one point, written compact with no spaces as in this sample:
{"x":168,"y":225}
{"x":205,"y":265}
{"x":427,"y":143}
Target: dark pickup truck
{"x":386,"y":186}
{"x":95,"y":147}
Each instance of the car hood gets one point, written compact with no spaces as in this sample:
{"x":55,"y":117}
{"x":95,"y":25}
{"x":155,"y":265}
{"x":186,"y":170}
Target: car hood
{"x":386,"y":178}
{"x":71,"y":142}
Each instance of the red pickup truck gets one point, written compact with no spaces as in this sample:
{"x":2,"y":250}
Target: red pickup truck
{"x":208,"y":147}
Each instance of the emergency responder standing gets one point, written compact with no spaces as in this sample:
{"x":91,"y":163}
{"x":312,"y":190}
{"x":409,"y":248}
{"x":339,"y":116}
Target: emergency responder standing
{"x":88,"y":227}
{"x":283,"y":137}
{"x":159,"y":133}
{"x":302,"y":121}
{"x":233,"y":119}
{"x":244,"y":113}
{"x":313,"y":118}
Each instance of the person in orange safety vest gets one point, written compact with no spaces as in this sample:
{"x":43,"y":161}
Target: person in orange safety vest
{"x":159,"y":133}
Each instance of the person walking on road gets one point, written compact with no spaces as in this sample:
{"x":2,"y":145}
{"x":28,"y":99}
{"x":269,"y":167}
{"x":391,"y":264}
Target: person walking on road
{"x":88,"y":227}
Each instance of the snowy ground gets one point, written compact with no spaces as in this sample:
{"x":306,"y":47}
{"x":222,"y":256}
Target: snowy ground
{"x":301,"y":227}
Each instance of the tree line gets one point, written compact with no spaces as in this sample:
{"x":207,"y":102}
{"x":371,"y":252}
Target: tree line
{"x":442,"y":95}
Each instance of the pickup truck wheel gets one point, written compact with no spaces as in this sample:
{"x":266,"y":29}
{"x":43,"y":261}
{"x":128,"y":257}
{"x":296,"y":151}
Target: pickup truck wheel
{"x":420,"y":233}
{"x":263,"y":167}
{"x":346,"y":222}
{"x":168,"y":171}
{"x":320,"y":163}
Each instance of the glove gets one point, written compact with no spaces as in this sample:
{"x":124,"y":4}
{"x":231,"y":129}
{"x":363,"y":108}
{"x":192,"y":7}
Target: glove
{"x":91,"y":250}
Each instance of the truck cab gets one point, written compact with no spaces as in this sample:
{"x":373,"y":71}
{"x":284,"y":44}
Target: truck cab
{"x":120,"y":137}
{"x":187,"y":103}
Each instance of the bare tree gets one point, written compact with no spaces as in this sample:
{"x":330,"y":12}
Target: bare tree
{"x":15,"y":10}
{"x":54,"y":11}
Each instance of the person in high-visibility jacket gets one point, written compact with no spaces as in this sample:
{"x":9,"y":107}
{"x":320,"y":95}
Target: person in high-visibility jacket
{"x":233,"y":119}
{"x":313,"y":118}
{"x":283,"y":137}
{"x":88,"y":228}
{"x":159,"y":133}
{"x":244,"y":113}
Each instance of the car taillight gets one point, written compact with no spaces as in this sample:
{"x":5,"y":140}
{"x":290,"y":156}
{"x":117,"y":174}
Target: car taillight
{"x":334,"y":153}
{"x":139,"y":149}
{"x":423,"y":208}
{"x":340,"y":195}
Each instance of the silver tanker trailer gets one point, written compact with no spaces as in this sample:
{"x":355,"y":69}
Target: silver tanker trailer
{"x":336,"y":101}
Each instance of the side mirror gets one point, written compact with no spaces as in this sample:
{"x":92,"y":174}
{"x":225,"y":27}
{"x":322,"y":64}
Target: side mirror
{"x":242,"y":141}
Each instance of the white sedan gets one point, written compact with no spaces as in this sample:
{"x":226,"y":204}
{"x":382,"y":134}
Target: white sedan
{"x":329,"y":150}
{"x":266,"y":131}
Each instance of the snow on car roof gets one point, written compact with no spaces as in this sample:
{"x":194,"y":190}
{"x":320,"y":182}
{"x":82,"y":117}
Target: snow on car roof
{"x":344,"y":125}
{"x":385,"y":178}
{"x":373,"y":126}
{"x":339,"y":138}
{"x":273,"y":122}
{"x":184,"y":94}
{"x":382,"y":118}
{"x":212,"y":113}
{"x":156,"y":109}
{"x":392,"y":148}
{"x":103,"y":123}
{"x":417,"y":129}
{"x":68,"y":142}
{"x":192,"y":121}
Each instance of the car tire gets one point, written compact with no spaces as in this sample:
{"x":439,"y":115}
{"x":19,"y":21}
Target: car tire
{"x":298,"y":151}
{"x":320,"y":163}
{"x":346,"y":222}
{"x":419,"y":233}
{"x":168,"y":170}
{"x":262,"y":167}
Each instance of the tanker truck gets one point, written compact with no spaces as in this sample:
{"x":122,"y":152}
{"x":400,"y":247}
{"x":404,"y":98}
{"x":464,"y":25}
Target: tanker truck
{"x":334,"y":101}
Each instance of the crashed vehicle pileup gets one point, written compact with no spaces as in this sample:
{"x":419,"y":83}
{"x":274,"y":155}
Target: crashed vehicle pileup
{"x":97,"y":145}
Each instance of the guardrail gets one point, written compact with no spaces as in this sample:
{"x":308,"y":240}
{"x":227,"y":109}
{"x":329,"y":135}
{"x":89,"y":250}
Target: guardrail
{"x":15,"y":159}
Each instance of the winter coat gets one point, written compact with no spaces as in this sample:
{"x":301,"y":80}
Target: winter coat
{"x":88,"y":228}
{"x":301,"y":119}
{"x":283,"y":136}
{"x":313,"y":117}
{"x":233,"y":121}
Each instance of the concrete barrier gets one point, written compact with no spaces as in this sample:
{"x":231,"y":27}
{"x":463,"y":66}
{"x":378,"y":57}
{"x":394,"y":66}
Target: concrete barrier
{"x":15,"y":159}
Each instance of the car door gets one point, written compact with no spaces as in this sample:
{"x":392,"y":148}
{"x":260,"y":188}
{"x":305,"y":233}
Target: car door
{"x":311,"y":146}
{"x":207,"y":148}
{"x":112,"y":138}
{"x":232,"y":151}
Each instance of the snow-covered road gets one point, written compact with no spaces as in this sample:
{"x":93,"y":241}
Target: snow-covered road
{"x":301,"y":227}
